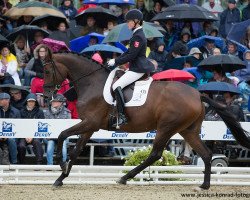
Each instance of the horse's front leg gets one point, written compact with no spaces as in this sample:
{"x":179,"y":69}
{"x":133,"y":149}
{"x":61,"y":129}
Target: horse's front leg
{"x":66,"y":167}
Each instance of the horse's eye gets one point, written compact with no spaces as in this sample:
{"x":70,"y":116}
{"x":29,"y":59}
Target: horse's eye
{"x":46,"y":72}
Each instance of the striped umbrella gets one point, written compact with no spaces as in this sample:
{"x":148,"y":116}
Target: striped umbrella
{"x":32,"y":8}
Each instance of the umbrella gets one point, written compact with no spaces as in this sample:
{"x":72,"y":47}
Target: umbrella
{"x":100,"y":14}
{"x":6,"y":88}
{"x":121,"y":32}
{"x":185,"y":12}
{"x":178,"y":63}
{"x":32,"y":8}
{"x":52,"y":21}
{"x":199,"y":42}
{"x":218,"y":87}
{"x":27,"y":30}
{"x":3,"y":40}
{"x":159,"y":27}
{"x":116,"y":2}
{"x":238,"y":31}
{"x":195,"y":71}
{"x":78,"y":44}
{"x":173,"y":75}
{"x":103,"y":48}
{"x":228,"y":63}
{"x":55,"y":45}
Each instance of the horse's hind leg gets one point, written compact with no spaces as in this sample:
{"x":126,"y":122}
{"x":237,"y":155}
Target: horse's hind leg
{"x":73,"y":156}
{"x":156,"y":153}
{"x":191,"y":135}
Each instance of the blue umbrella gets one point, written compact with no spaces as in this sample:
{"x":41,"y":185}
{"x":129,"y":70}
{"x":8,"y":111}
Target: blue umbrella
{"x":90,"y":1}
{"x":199,"y":42}
{"x":113,"y":2}
{"x":79,"y":44}
{"x":238,"y":31}
{"x":106,"y":48}
{"x":218,"y":87}
{"x":178,"y":63}
{"x":195,"y":71}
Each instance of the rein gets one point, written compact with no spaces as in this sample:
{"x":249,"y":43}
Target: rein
{"x":58,"y":87}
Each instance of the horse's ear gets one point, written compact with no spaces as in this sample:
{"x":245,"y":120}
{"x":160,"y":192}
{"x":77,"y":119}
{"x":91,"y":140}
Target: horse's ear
{"x":50,"y":53}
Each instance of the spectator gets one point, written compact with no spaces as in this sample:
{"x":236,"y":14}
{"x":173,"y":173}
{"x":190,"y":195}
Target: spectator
{"x":3,"y":27}
{"x":234,"y":106}
{"x":5,"y":5}
{"x":22,"y":54}
{"x":159,"y":55}
{"x":207,"y":49}
{"x":213,"y":31}
{"x":141,"y":6}
{"x":213,"y":6}
{"x":8,"y":111}
{"x":8,"y":67}
{"x":206,"y":26}
{"x":220,"y":76}
{"x":171,"y":35}
{"x":35,"y":67}
{"x":195,"y":52}
{"x":232,"y":49}
{"x":57,"y":110}
{"x":229,"y":17}
{"x":182,"y":43}
{"x":244,"y":74}
{"x":38,"y":37}
{"x":18,"y":99}
{"x":91,"y":27}
{"x":188,"y":26}
{"x":246,"y":40}
{"x":31,"y":111}
{"x":216,"y":51}
{"x":24,"y":20}
{"x":246,"y":12}
{"x":68,"y":9}
{"x":62,"y":33}
{"x":110,"y":26}
{"x":156,"y":9}
{"x":121,"y":18}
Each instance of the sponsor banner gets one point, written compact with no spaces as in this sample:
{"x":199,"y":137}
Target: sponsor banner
{"x":51,"y":128}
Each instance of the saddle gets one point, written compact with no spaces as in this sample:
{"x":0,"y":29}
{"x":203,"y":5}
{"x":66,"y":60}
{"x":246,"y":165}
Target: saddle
{"x":128,"y":90}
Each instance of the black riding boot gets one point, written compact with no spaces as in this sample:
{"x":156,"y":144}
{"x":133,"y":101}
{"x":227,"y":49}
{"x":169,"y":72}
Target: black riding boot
{"x":120,"y":107}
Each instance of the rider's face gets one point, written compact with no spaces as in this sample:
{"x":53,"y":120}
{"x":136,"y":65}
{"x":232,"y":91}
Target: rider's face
{"x":131,"y":24}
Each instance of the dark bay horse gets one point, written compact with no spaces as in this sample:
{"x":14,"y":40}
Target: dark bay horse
{"x":170,"y":108}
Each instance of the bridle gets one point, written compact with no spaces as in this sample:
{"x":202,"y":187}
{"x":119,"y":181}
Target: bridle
{"x":55,"y":80}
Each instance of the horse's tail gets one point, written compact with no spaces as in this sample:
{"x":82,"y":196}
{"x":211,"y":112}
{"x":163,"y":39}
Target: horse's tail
{"x":240,"y":135}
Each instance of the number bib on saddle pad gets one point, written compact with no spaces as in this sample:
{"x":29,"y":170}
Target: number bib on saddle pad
{"x":139,"y":96}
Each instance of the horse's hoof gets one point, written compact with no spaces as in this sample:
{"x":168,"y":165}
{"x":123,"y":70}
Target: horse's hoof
{"x":57,"y":184}
{"x":205,"y":186}
{"x":121,"y":181}
{"x":197,"y":189}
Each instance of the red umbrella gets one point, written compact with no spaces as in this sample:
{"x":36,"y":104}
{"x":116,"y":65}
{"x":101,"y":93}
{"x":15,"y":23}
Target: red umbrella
{"x":173,"y":75}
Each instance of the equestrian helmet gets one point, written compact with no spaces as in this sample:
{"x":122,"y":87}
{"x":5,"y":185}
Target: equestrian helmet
{"x":134,"y":14}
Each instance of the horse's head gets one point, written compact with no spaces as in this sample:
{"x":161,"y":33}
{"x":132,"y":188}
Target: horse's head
{"x":54,"y":74}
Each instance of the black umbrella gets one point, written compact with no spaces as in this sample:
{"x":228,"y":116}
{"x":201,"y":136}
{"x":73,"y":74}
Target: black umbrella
{"x":100,"y":14}
{"x":159,"y":27}
{"x":185,"y":12}
{"x":52,"y":21}
{"x":228,"y":63}
{"x":27,"y":30}
{"x":3,"y":40}
{"x":218,"y":87}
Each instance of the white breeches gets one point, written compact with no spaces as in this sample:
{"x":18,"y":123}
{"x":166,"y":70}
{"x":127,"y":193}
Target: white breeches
{"x":126,"y":79}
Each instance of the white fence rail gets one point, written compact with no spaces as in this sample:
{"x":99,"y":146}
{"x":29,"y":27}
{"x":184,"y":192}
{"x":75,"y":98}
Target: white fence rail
{"x":154,"y":175}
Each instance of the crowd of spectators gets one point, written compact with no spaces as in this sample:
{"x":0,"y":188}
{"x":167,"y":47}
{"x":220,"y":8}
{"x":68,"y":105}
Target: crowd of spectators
{"x":22,"y":64}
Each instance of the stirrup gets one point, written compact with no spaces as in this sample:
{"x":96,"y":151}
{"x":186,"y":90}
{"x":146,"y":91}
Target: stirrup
{"x":120,"y":120}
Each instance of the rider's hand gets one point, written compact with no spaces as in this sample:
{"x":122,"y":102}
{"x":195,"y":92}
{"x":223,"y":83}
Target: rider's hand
{"x":111,"y":62}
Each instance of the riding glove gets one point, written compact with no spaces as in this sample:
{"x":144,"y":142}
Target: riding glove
{"x":111,"y":62}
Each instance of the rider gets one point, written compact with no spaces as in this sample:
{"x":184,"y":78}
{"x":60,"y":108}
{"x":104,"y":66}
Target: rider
{"x":136,"y":56}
